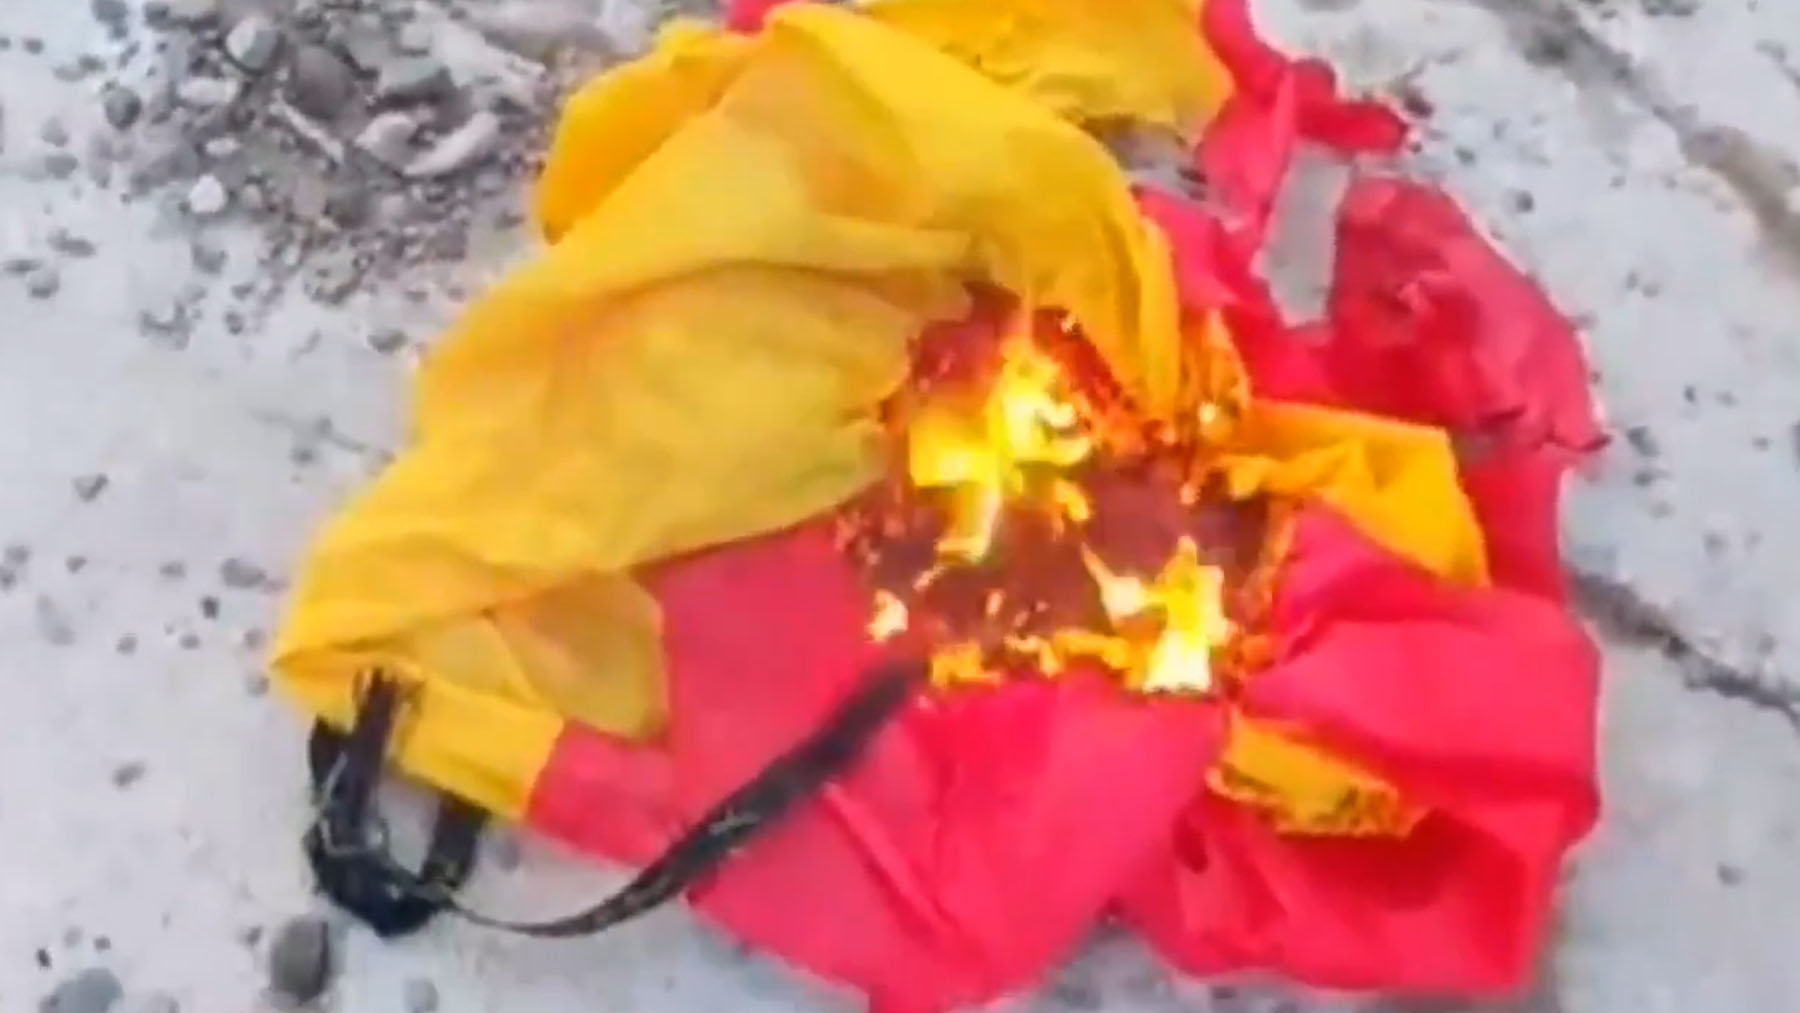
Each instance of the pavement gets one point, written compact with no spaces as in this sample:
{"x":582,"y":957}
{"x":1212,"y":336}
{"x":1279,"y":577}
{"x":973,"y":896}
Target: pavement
{"x":193,"y":374}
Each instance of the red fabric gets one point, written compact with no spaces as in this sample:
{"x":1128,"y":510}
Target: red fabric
{"x":1277,"y":103}
{"x":976,"y":844}
{"x":748,"y":15}
{"x":988,"y":829}
{"x":1477,"y":703}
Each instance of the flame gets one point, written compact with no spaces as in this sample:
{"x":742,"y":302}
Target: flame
{"x":992,"y":451}
{"x":1187,"y":600}
{"x":890,"y":619}
{"x":1016,"y":442}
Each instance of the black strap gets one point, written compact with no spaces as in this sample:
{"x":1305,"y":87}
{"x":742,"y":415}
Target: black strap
{"x":356,"y":871}
{"x":347,"y":845}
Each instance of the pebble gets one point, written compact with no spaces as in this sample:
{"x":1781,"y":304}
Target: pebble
{"x":300,"y":961}
{"x":188,"y":13}
{"x":318,"y":83}
{"x":54,"y":132}
{"x":60,"y":165}
{"x":127,"y":774}
{"x":207,"y":197}
{"x":96,"y":990}
{"x":89,"y":487}
{"x":71,"y":245}
{"x":52,"y":623}
{"x":240,"y":574}
{"x":43,"y":282}
{"x":113,"y":14}
{"x":208,"y":257}
{"x":203,"y":92}
{"x":388,"y":341}
{"x":420,"y":996}
{"x":155,"y":1002}
{"x":414,"y":39}
{"x":254,"y":43}
{"x":388,"y":139}
{"x":460,"y":148}
{"x":538,"y":29}
{"x":417,"y":79}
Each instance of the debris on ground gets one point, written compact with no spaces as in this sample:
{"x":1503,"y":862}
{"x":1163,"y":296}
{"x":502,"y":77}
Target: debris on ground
{"x":301,"y":963}
{"x":95,"y":990}
{"x":361,"y":138}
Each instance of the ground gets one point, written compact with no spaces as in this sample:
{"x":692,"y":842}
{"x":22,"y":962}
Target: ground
{"x":195,"y":372}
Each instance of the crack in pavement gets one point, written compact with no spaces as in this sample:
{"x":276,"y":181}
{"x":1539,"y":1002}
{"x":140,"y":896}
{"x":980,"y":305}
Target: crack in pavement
{"x":1624,"y":614}
{"x":1551,"y":34}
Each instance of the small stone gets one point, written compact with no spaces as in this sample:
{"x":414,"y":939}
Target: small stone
{"x":32,"y":44}
{"x":121,"y":105}
{"x":155,"y":1002}
{"x":189,"y":641}
{"x":206,"y":198}
{"x":1523,"y":201}
{"x":113,"y":14}
{"x":54,"y":132}
{"x":538,"y":29}
{"x":420,"y":996}
{"x":43,"y":283}
{"x":209,"y":607}
{"x":461,"y":148}
{"x":256,"y":685}
{"x":52,"y":623}
{"x":349,"y":204}
{"x":20,"y":265}
{"x":203,"y":92}
{"x":71,"y":245}
{"x":388,"y":341}
{"x":254,"y":43}
{"x":60,"y":165}
{"x":127,"y":774}
{"x":75,"y":564}
{"x":167,"y":324}
{"x":96,"y":990}
{"x":417,"y":79}
{"x":319,"y":85}
{"x":89,"y":487}
{"x":300,"y":961}
{"x":126,"y":645}
{"x":1643,"y":440}
{"x":241,"y":574}
{"x":1729,"y":874}
{"x":187,"y":13}
{"x":413,"y":40}
{"x":208,"y":257}
{"x":388,"y":139}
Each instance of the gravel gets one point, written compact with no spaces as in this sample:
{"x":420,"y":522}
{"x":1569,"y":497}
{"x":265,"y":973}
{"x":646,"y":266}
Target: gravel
{"x":301,"y":963}
{"x":95,"y":990}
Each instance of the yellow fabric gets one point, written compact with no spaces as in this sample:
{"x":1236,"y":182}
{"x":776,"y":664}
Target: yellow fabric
{"x":747,"y":232}
{"x":1395,"y":481}
{"x":1140,"y":61}
{"x":1302,"y":790}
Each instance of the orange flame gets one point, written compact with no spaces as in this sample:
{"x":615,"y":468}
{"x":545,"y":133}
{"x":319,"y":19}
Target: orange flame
{"x":1017,"y":442}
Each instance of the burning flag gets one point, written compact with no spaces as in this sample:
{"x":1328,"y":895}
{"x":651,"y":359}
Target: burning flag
{"x":853,"y":343}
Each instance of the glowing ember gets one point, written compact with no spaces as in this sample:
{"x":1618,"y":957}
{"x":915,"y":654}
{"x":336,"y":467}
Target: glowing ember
{"x":998,"y":448}
{"x":1023,"y":444}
